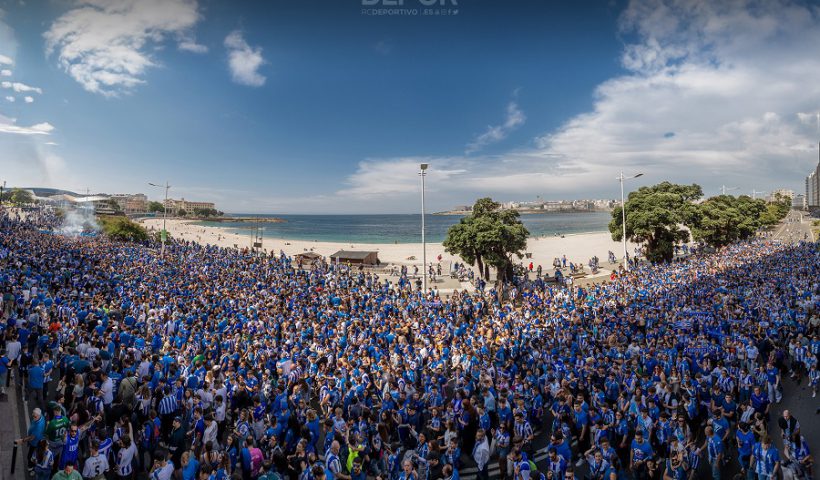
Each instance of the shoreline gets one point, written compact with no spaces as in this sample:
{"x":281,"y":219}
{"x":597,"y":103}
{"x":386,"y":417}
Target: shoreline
{"x":578,"y":247}
{"x":527,"y":212}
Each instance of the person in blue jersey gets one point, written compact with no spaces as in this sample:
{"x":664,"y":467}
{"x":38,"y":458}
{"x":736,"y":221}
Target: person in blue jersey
{"x":745,"y":439}
{"x":676,"y":468}
{"x":35,"y":433}
{"x":713,"y":446}
{"x":796,"y":450}
{"x":521,"y":466}
{"x":556,"y":464}
{"x":765,"y":459}
{"x":43,"y":461}
{"x":639,"y":452}
{"x":190,"y":466}
{"x":71,"y":448}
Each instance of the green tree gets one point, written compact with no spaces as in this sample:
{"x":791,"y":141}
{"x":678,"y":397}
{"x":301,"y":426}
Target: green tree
{"x":206,"y":212}
{"x":488,"y":237}
{"x":155,"y":207}
{"x":19,"y":196}
{"x":181,"y":212}
{"x":724,"y":219}
{"x":123,"y":229}
{"x":655,"y":216}
{"x":780,"y":207}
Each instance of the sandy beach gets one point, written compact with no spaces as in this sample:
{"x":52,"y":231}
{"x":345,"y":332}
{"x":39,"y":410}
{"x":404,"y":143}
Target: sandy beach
{"x":577,"y":247}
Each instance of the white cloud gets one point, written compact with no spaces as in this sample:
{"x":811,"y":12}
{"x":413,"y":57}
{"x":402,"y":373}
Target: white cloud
{"x":28,"y":99}
{"x":28,"y":161}
{"x":514,"y":119}
{"x":397,"y":176}
{"x":4,"y":60}
{"x":10,"y":98}
{"x":20,"y":87}
{"x":5,"y":73}
{"x":53,"y":144}
{"x":9,"y":125}
{"x":713,"y":92}
{"x":190,"y":45}
{"x":244,"y":61}
{"x":105,"y":45}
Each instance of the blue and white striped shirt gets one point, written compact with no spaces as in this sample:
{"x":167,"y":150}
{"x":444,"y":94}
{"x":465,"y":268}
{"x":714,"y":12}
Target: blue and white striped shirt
{"x":168,"y":405}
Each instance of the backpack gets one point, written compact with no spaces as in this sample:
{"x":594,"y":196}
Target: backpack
{"x":157,"y":433}
{"x":256,"y":461}
{"x":150,"y":435}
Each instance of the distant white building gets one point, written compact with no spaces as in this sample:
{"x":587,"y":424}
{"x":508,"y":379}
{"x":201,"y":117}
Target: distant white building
{"x":131,"y":204}
{"x":781,"y":192}
{"x":190,"y":207}
{"x":813,"y":185}
{"x":799,"y":201}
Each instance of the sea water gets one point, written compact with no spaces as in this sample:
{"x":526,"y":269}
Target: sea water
{"x":401,"y":228}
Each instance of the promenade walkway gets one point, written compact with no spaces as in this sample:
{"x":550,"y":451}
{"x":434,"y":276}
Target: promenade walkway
{"x":12,"y":427}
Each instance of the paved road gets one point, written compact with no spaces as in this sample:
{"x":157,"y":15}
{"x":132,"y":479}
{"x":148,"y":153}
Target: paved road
{"x":797,"y":398}
{"x":796,"y":227}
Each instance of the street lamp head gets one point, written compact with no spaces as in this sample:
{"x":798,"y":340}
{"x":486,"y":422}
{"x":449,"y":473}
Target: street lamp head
{"x":424,"y":166}
{"x":638,"y":175}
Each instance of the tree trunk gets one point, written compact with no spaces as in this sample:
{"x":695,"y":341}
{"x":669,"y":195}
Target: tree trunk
{"x":480,"y":263}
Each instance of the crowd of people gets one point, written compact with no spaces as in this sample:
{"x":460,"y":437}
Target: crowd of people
{"x":211,"y":363}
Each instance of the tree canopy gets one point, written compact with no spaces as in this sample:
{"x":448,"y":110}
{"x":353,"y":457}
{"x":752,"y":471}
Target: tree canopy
{"x":206,"y":212}
{"x":724,"y":219}
{"x":655,"y":216}
{"x":659,"y":216}
{"x":488,"y":237}
{"x":155,"y":207}
{"x":18,"y":196}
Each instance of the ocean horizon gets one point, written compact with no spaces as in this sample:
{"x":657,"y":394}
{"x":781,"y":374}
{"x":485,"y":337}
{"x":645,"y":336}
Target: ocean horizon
{"x":398,"y":228}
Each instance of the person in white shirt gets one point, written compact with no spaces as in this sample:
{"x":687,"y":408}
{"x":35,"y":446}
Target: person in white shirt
{"x":219,"y":415}
{"x":211,"y":432}
{"x":206,"y":396}
{"x":107,"y":389}
{"x":13,"y":349}
{"x":144,"y":369}
{"x":125,"y":456}
{"x":163,"y":469}
{"x":96,"y":465}
{"x":481,"y":454}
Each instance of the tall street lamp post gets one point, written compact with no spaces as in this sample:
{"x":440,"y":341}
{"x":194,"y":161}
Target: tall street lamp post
{"x":621,"y":178}
{"x":422,"y":174}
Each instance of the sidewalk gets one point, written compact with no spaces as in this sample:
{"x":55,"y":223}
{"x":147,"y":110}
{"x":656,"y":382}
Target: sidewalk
{"x":12,"y":422}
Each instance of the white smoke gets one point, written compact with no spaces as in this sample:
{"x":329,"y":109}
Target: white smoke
{"x":77,"y":221}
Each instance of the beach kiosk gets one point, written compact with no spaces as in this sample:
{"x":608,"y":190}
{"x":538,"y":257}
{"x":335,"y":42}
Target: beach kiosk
{"x":306,"y":259}
{"x":355,"y":258}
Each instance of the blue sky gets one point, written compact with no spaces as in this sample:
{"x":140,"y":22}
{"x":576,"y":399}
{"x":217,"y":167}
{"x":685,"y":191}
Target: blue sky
{"x":323,"y":106}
